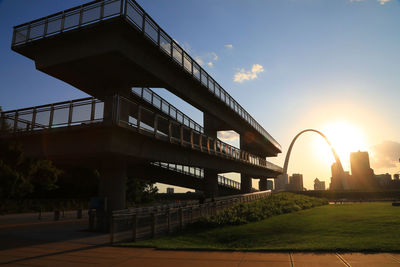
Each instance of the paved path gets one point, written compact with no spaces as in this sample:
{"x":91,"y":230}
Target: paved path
{"x":68,"y":244}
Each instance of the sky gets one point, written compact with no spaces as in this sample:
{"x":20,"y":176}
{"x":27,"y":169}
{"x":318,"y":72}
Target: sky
{"x":331,"y":65}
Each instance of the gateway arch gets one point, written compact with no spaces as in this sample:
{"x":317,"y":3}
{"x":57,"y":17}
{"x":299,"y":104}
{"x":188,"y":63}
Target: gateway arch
{"x":284,"y":177}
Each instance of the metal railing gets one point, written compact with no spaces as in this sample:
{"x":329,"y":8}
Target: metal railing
{"x":163,"y":128}
{"x":131,"y":225}
{"x":61,"y":114}
{"x":198,"y":173}
{"x":100,"y":10}
{"x":157,"y":101}
{"x":127,"y":114}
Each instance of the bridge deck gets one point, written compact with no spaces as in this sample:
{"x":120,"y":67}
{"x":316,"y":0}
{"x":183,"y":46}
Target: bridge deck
{"x":113,"y":44}
{"x":57,"y":130}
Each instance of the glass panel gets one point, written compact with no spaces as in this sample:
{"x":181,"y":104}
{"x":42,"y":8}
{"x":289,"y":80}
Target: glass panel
{"x":179,"y":117}
{"x":164,"y":107}
{"x":24,"y":121}
{"x":147,"y":95}
{"x":187,"y":63}
{"x":137,"y":90}
{"x":211,"y":84}
{"x":91,"y":14}
{"x":196,"y":71}
{"x":217,"y":91}
{"x":42,"y":118}
{"x":172,"y":112}
{"x":157,"y":101}
{"x":71,"y":20}
{"x":98,"y":110}
{"x":203,"y":78}
{"x":186,"y":121}
{"x":151,"y":31}
{"x":111,"y":8}
{"x":37,"y":30}
{"x":165,"y":43}
{"x":20,"y":35}
{"x":81,"y":113}
{"x":177,"y":53}
{"x":53,"y":25}
{"x":60,"y":116}
{"x":134,"y":15}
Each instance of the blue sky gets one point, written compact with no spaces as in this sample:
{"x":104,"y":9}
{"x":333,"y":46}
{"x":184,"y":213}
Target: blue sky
{"x":314,"y":62}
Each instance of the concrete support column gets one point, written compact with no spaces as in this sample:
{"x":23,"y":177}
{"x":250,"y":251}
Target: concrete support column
{"x":210,"y":176}
{"x":263,"y":184}
{"x":210,"y":183}
{"x":112,"y":184}
{"x":245,"y":180}
{"x":245,"y":183}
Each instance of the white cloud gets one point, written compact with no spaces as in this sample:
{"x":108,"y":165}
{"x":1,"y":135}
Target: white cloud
{"x":243,"y":75}
{"x":356,"y":0}
{"x":228,"y":136}
{"x":214,"y":56}
{"x":382,"y":2}
{"x":199,"y":60}
{"x":210,"y":64}
{"x":228,"y":46}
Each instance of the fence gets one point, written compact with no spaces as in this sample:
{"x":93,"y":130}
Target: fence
{"x":134,"y":14}
{"x":198,"y":173}
{"x":136,"y":224}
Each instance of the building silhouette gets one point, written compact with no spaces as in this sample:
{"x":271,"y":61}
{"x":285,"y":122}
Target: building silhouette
{"x":319,"y":185}
{"x":362,"y":176}
{"x":296,"y":182}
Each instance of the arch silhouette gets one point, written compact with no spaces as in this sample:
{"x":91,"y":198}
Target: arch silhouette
{"x":337,"y":159}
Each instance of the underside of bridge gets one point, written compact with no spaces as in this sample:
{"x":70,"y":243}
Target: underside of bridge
{"x":106,"y":48}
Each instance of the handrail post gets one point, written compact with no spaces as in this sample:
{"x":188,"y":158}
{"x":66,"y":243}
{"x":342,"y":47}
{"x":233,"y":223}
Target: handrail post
{"x":111,"y":230}
{"x":181,"y":135}
{"x":155,"y":126}
{"x":51,"y":116}
{"x":153,"y":225}
{"x":134,"y":227}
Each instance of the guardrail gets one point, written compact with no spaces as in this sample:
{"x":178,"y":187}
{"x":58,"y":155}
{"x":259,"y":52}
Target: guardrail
{"x":198,"y":173}
{"x":130,"y":225}
{"x":127,"y":114}
{"x":100,"y":10}
{"x":61,"y":114}
{"x":157,"y":101}
{"x":161,"y":127}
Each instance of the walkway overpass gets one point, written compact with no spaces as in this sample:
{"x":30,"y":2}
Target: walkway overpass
{"x":108,"y":49}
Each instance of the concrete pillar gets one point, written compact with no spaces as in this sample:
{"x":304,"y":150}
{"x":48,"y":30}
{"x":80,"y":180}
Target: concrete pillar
{"x":263,"y":184}
{"x":245,"y":183}
{"x":245,"y":180}
{"x":210,"y":183}
{"x":210,"y":176}
{"x":112,"y":184}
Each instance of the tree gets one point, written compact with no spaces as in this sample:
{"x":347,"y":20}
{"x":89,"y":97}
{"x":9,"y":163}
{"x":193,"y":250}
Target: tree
{"x":139,"y":191}
{"x":21,"y":176}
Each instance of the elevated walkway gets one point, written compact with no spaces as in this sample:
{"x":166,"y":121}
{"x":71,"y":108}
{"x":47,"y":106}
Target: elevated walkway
{"x":77,"y":130}
{"x":110,"y":46}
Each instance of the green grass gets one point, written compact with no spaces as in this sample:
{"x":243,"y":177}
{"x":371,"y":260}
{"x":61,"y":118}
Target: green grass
{"x":348,"y":227}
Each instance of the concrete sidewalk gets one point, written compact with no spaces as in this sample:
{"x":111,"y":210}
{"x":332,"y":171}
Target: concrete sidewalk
{"x":74,"y":254}
{"x":69,"y":244}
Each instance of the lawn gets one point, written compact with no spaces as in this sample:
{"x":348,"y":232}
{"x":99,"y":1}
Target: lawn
{"x":347,"y":227}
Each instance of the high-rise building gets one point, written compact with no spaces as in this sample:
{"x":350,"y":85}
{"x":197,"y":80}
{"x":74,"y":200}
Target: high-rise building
{"x":296,"y":182}
{"x":384,"y":180}
{"x":319,"y":185}
{"x":336,"y":179}
{"x":362,"y":176}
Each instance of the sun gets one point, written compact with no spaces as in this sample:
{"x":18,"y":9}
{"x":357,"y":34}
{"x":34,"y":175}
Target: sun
{"x":345,"y":137}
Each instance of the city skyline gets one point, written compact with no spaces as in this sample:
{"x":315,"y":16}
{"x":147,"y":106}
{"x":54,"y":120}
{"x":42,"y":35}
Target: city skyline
{"x":256,"y":60}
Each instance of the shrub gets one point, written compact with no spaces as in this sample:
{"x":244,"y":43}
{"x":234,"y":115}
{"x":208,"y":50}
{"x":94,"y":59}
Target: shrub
{"x":258,"y":210}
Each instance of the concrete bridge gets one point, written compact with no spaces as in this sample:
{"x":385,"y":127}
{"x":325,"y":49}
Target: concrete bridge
{"x":113,"y":50}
